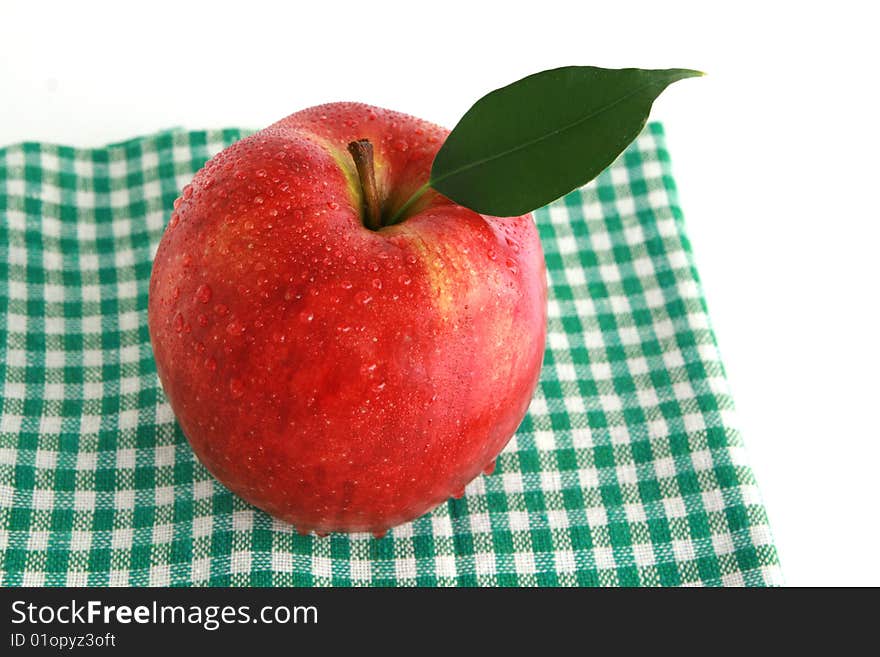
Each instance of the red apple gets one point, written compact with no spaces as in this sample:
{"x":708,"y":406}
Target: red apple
{"x":339,"y":377}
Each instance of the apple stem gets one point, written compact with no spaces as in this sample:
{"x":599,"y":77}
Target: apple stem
{"x":362,"y":154}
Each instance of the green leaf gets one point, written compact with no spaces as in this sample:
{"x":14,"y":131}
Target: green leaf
{"x":526,"y":144}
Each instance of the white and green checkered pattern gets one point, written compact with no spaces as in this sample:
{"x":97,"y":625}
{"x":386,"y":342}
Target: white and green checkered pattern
{"x":627,"y":470}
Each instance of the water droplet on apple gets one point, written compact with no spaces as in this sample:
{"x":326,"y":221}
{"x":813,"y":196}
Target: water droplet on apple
{"x":458,"y":494}
{"x":210,"y":364}
{"x":492,"y":255}
{"x":411,"y":259}
{"x":178,"y":322}
{"x":401,"y":145}
{"x":221,"y":309}
{"x":175,"y":219}
{"x":333,"y":205}
{"x":260,"y":173}
{"x":203,"y":319}
{"x":236,"y":387}
{"x":363,"y":297}
{"x":346,"y":285}
{"x":374,"y":266}
{"x":305,"y":317}
{"x":235,"y":328}
{"x":187,"y":192}
{"x":203,"y":293}
{"x":258,"y":200}
{"x":490,"y":468}
{"x":351,"y":260}
{"x":511,"y":265}
{"x":404,"y":279}
{"x":377,"y":284}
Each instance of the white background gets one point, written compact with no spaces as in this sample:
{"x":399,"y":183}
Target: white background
{"x":775,"y":153}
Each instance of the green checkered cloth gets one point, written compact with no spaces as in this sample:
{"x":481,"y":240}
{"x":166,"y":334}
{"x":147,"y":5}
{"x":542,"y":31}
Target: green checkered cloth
{"x":628,"y":469}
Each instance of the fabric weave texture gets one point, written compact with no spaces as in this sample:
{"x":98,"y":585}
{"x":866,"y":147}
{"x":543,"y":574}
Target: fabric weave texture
{"x":628,"y":469}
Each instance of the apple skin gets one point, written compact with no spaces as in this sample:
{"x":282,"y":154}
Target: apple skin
{"x":340,"y":378}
